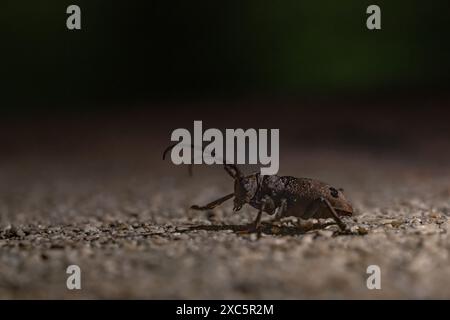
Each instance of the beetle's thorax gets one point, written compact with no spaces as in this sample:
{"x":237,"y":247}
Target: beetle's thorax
{"x":247,"y":190}
{"x":268,"y":186}
{"x":254,"y":188}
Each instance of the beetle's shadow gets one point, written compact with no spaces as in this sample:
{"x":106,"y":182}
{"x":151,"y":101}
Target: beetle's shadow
{"x":266,"y":228}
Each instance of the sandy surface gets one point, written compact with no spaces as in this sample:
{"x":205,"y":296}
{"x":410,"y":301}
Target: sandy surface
{"x":133,"y":236}
{"x":97,"y":194}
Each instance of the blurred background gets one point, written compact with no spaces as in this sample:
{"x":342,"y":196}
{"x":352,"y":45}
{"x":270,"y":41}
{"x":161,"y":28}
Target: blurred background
{"x":140,"y":51}
{"x":140,"y":68}
{"x":86,"y":114}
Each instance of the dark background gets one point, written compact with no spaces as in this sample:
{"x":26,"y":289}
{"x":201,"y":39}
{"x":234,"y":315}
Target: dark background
{"x":139,"y":69}
{"x":135,"y":52}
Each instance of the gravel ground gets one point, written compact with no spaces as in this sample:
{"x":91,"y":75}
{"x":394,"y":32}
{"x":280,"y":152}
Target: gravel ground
{"x":133,"y":236}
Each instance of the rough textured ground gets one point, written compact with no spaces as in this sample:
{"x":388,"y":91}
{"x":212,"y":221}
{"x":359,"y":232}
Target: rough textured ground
{"x":122,"y":215}
{"x":133,"y":236}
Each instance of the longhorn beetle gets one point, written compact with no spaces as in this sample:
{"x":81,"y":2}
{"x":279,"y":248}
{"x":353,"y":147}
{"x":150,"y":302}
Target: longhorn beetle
{"x":283,"y":196}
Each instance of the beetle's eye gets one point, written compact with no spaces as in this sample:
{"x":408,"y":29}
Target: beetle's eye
{"x":334,"y":192}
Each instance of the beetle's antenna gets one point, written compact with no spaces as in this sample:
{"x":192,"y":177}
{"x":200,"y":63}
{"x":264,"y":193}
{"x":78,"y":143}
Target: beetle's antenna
{"x":170,"y":148}
{"x":231,"y":169}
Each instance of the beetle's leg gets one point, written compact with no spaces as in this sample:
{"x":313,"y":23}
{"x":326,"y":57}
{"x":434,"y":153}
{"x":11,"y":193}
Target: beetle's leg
{"x":213,"y":204}
{"x":338,"y":220}
{"x":256,"y":224}
{"x":280,"y":211}
{"x":314,"y":207}
{"x":254,"y":227}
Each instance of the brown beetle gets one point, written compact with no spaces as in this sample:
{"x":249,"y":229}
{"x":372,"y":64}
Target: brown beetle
{"x":284,"y":196}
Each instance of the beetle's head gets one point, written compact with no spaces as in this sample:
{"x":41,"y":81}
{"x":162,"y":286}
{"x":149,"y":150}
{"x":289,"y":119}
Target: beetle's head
{"x":245,"y":189}
{"x":337,"y":199}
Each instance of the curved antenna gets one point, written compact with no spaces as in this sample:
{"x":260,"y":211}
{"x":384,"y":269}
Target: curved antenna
{"x":231,"y":169}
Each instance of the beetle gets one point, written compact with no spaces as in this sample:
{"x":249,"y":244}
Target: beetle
{"x":283,"y":196}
